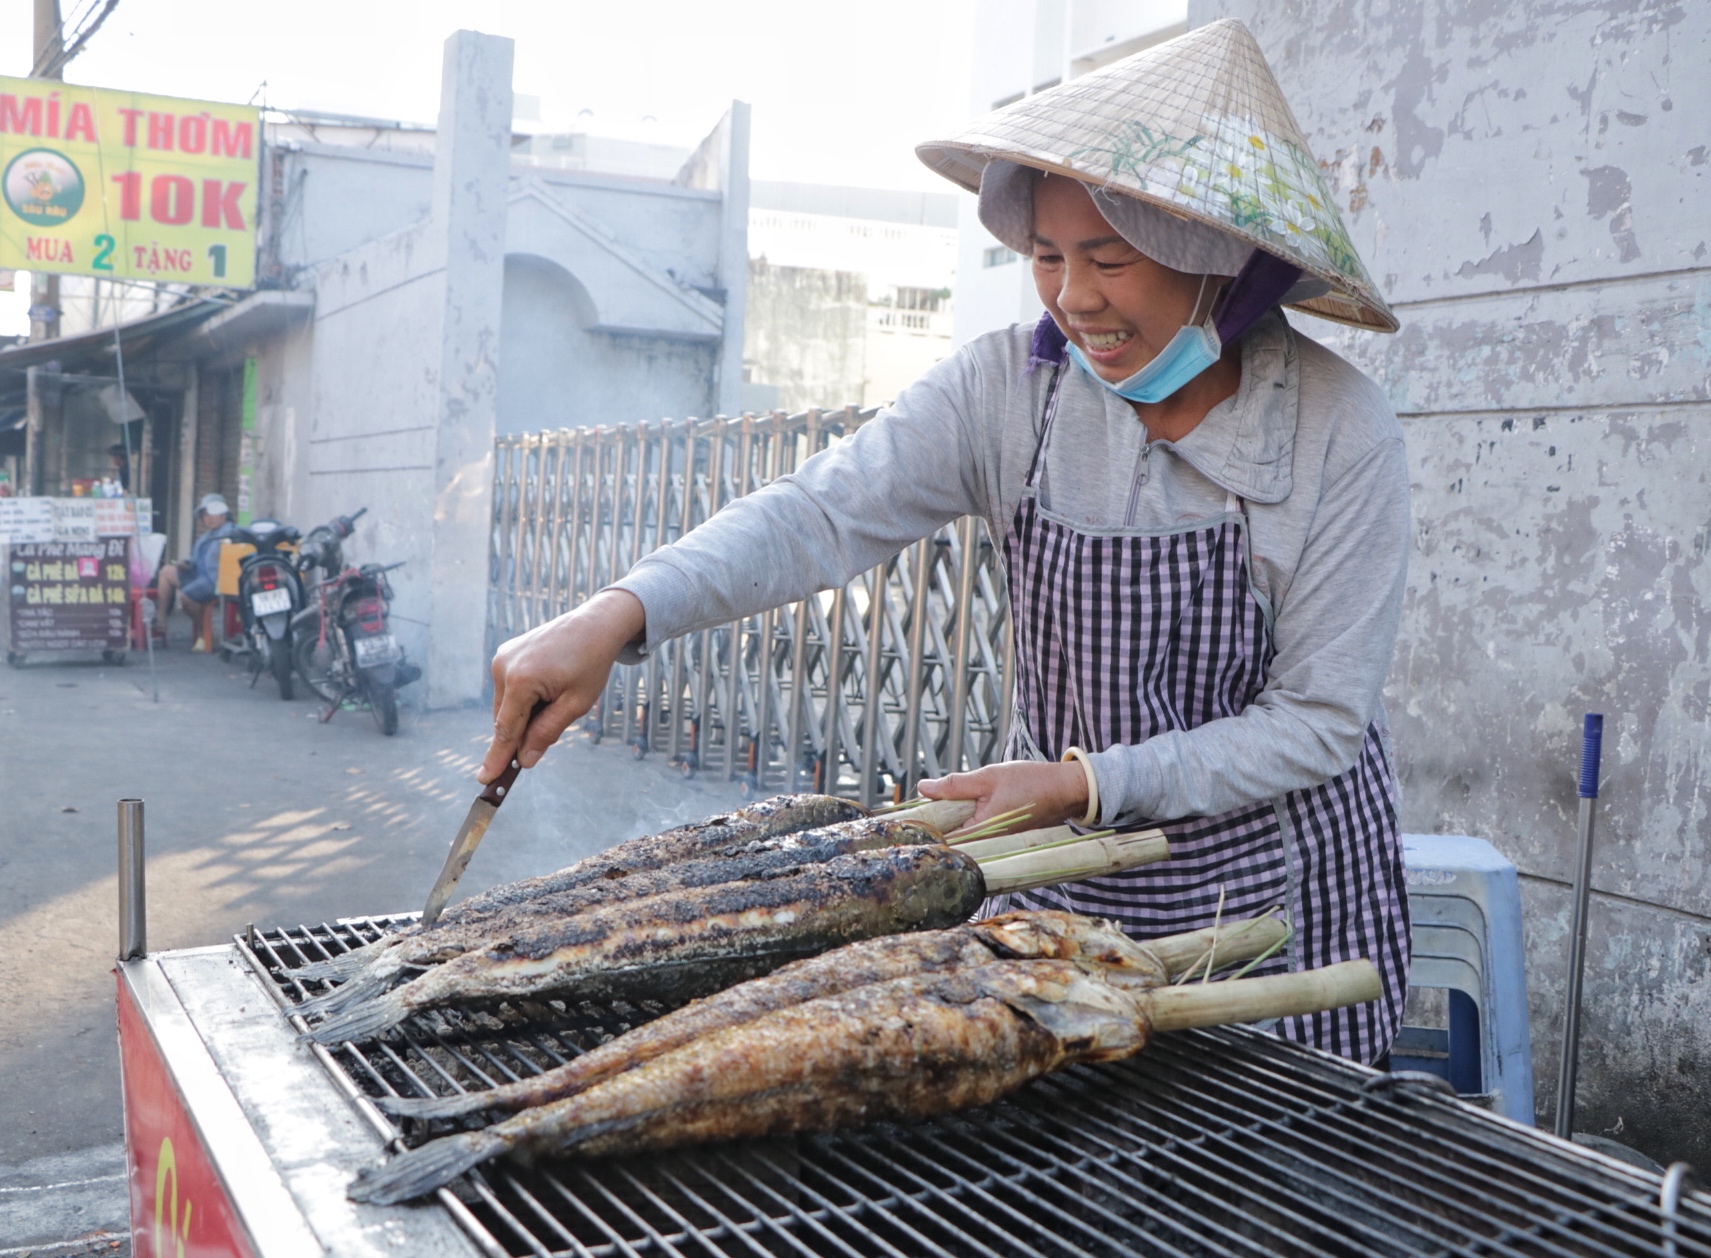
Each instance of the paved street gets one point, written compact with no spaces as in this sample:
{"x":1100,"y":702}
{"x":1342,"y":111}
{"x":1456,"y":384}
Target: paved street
{"x":255,"y":813}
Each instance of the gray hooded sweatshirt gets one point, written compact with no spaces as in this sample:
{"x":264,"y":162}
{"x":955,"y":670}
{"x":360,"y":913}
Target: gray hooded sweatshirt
{"x":1307,"y":443}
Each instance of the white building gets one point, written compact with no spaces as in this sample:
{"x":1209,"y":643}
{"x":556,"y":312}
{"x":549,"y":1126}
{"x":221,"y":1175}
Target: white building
{"x":849,"y":292}
{"x":1022,"y":47}
{"x":419,"y":289}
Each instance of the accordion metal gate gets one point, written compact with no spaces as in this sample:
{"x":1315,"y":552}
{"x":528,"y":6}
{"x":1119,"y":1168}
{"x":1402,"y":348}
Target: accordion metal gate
{"x":903,"y":673}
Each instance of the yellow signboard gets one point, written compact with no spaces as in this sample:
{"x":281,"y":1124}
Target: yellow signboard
{"x":118,"y":184}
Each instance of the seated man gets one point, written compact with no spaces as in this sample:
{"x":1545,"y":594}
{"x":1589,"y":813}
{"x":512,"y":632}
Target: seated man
{"x":194,"y":579}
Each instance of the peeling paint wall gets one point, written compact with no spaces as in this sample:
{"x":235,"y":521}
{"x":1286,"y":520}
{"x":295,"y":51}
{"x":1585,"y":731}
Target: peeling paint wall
{"x":1528,"y":184}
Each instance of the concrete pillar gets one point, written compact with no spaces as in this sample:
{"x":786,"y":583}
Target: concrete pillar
{"x":471,"y":175}
{"x":734,"y":253}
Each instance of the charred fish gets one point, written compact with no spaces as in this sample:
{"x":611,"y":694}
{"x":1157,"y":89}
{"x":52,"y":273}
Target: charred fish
{"x":770,"y":857}
{"x":1037,"y":934}
{"x":897,"y":1051}
{"x":692,"y":942}
{"x":770,"y":818}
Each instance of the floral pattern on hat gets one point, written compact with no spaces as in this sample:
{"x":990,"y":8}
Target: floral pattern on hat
{"x":1235,"y":172}
{"x":1198,"y":126}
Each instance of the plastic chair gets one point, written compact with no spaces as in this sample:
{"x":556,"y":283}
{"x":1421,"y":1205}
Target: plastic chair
{"x":1465,"y":901}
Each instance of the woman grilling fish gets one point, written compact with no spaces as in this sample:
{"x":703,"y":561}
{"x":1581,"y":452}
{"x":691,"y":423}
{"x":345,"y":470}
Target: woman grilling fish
{"x":1204,"y":517}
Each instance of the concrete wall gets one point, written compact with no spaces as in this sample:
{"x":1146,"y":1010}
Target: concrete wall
{"x":1528,"y":183}
{"x":806,"y":336}
{"x":558,"y":369}
{"x":458,"y":293}
{"x":333,"y":198}
{"x":404,"y":369}
{"x":373,"y":407}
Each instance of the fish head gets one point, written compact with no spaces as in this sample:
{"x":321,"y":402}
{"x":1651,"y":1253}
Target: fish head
{"x":934,"y":886}
{"x":1092,"y":1018}
{"x":1054,"y":933}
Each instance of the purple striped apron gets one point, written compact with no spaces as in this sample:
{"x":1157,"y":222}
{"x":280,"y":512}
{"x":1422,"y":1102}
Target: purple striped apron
{"x":1125,"y":634}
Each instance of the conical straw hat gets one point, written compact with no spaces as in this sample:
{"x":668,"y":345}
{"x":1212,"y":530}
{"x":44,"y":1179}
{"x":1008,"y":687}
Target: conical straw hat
{"x":1199,"y":127}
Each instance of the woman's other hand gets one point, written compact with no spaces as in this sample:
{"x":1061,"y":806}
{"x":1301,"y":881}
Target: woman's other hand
{"x":560,"y":667}
{"x":1052,"y":793}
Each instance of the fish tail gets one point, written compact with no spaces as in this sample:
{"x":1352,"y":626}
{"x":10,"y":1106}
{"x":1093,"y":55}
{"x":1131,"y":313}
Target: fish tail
{"x":333,"y":969}
{"x":453,"y":1106}
{"x":416,"y":1172}
{"x":321,"y":971}
{"x":360,"y":987}
{"x":363,"y":1022}
{"x":348,"y":964}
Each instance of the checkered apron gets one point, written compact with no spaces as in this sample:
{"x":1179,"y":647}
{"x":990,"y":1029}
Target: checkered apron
{"x":1120,"y":636}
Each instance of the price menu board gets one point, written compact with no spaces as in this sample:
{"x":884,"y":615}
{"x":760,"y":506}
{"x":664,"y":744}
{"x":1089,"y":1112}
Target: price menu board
{"x":68,"y":596}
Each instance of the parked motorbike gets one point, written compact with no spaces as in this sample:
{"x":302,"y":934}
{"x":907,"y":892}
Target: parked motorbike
{"x":340,"y":641}
{"x":270,"y":594}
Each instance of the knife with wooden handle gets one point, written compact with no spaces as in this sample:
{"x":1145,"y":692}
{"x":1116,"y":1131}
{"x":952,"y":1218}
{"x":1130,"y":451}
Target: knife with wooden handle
{"x":470,"y":833}
{"x":469,"y":836}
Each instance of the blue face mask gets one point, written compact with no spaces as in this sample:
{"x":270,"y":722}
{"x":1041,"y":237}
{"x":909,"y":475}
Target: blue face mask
{"x":1194,"y":348}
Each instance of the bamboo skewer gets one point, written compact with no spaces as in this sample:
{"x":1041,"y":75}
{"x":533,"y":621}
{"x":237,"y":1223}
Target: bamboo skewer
{"x":1026,"y":841}
{"x":1186,"y":953}
{"x":1255,"y":999}
{"x":944,"y":815}
{"x":1073,"y":862}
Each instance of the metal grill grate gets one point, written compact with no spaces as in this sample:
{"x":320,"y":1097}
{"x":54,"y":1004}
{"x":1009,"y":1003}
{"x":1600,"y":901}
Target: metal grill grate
{"x":1209,"y":1143}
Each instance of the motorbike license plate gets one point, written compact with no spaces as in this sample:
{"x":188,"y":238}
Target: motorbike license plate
{"x":267,"y":602}
{"x":380,"y":649}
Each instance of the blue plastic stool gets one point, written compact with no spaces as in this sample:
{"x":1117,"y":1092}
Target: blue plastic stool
{"x":1465,"y":903}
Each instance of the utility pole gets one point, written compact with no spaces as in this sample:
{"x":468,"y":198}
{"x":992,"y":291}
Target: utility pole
{"x":48,"y":44}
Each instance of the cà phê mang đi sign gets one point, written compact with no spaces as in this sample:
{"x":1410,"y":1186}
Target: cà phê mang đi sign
{"x":123,"y":185}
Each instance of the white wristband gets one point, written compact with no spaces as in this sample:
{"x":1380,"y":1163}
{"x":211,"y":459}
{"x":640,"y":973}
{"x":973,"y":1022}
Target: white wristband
{"x":1077,"y":754}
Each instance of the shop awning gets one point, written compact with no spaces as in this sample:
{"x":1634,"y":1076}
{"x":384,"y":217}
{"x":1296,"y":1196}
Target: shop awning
{"x":200,"y":328}
{"x":93,"y":350}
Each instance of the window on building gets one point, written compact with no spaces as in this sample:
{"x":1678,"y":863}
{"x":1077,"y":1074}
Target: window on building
{"x":921,"y":298}
{"x":1008,"y":100}
{"x":998,"y":255}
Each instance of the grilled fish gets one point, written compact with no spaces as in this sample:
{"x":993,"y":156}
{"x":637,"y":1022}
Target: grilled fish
{"x":897,"y":1051}
{"x":695,"y":941}
{"x":780,"y":815}
{"x":762,"y":858}
{"x":1044,"y":934}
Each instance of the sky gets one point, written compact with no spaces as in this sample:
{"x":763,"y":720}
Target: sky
{"x":841,"y":92}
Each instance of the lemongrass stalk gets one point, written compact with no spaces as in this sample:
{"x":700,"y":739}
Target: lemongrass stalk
{"x":1217,"y":953}
{"x":1072,"y":862}
{"x":944,"y":815}
{"x":1255,"y":999}
{"x":997,"y":824}
{"x":1266,"y":955}
{"x":1183,"y":954}
{"x":1217,"y":921}
{"x":902,"y":805}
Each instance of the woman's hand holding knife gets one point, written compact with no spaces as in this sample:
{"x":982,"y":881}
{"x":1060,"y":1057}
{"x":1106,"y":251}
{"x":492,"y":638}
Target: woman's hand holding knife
{"x":562,"y":667}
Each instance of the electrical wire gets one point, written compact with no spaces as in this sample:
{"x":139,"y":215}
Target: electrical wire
{"x":49,"y":63}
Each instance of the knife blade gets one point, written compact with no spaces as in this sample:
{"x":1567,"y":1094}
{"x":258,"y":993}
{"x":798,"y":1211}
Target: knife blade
{"x":469,"y":835}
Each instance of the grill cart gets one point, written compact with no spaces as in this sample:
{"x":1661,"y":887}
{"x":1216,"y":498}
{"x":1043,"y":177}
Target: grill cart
{"x":242,"y":1140}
